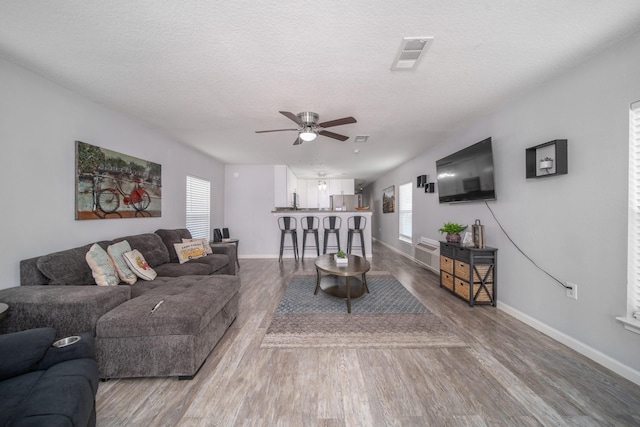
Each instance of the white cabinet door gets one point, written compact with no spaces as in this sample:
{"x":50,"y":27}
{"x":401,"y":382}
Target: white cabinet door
{"x":280,"y":185}
{"x":312,"y":194}
{"x":341,"y":186}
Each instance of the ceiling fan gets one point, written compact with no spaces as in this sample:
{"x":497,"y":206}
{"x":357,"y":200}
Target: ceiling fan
{"x":309,"y":128}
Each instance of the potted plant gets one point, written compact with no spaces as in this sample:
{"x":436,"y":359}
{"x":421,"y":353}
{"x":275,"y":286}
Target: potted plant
{"x":341,"y":258}
{"x":453,"y":231}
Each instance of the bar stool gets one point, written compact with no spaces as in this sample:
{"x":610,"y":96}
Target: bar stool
{"x":331,"y":225}
{"x":288,"y":225}
{"x":310,"y":225}
{"x":356,"y":225}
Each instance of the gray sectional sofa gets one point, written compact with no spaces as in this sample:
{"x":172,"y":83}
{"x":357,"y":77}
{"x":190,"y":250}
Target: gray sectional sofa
{"x":199,"y":302}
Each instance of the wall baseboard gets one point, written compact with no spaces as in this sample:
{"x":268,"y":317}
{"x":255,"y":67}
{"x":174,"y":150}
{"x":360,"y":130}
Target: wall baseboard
{"x":590,"y":352}
{"x":593,"y":354}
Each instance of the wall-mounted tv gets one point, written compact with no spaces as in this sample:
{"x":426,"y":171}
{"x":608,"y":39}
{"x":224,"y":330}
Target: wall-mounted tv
{"x":467,"y":175}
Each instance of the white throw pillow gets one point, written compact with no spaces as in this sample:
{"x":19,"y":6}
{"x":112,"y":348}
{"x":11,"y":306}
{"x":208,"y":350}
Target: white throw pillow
{"x":116,"y":252}
{"x":188,"y":251}
{"x":139,"y":265}
{"x":102,"y":268}
{"x":205,"y":244}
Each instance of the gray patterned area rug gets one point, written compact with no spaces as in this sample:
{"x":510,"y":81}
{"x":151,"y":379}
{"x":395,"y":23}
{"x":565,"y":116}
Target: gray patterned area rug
{"x":388,"y":317}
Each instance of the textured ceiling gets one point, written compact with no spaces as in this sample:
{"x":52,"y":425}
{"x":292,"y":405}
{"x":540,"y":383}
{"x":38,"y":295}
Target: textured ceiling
{"x":211,"y":73}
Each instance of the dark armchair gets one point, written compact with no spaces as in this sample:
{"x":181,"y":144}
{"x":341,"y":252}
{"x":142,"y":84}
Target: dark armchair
{"x":41,"y":385}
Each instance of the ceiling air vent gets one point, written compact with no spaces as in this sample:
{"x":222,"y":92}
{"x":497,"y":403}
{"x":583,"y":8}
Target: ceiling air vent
{"x":361,"y":138}
{"x":410,"y":52}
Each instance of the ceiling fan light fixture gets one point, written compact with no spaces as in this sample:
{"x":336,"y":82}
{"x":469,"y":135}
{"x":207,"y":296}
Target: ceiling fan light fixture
{"x":307,"y":135}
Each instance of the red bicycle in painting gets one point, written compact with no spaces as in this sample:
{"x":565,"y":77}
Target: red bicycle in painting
{"x":108,"y":199}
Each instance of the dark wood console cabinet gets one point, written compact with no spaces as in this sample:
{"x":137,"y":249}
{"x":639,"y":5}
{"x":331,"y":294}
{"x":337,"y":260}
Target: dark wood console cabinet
{"x":469,"y":273}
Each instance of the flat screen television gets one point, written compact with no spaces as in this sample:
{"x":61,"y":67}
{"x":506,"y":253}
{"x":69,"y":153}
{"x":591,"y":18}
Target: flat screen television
{"x":467,"y":175}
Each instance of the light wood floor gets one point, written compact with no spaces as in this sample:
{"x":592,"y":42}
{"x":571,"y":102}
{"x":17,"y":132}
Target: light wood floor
{"x":510,"y":375}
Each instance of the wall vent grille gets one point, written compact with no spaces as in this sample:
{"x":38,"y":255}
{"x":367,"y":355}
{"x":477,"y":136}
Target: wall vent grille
{"x":428,"y":253}
{"x":411,"y":50}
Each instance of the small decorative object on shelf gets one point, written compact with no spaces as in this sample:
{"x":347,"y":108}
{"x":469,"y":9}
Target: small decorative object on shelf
{"x":453,"y":231}
{"x":548,"y":159}
{"x":478,"y":234}
{"x":341,"y":258}
{"x":546,"y":163}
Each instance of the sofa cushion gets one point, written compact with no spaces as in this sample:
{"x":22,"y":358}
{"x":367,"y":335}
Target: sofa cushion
{"x":67,"y":267}
{"x":102,"y":267}
{"x":150,"y":245}
{"x":13,"y":392}
{"x":64,"y":395}
{"x":116,"y":252}
{"x":190,"y":302}
{"x":171,"y":237}
{"x":174,"y":269}
{"x":214,"y":261}
{"x":69,"y":309}
{"x":20,"y":352}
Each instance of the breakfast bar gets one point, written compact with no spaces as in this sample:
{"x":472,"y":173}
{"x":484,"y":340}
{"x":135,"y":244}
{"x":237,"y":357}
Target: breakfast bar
{"x":298,"y":214}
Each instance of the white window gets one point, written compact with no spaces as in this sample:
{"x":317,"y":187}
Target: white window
{"x":633,"y":251}
{"x":405,"y":206}
{"x":198,"y":207}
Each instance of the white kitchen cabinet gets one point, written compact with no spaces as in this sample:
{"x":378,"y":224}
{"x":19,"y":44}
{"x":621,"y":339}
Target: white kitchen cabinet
{"x":341,"y":186}
{"x":285,"y":183}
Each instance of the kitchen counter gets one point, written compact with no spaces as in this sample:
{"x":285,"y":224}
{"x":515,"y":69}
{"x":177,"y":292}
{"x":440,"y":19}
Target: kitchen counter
{"x":317,"y":211}
{"x":344,"y":215}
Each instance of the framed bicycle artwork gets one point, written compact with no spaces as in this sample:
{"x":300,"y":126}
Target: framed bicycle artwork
{"x":114,"y":185}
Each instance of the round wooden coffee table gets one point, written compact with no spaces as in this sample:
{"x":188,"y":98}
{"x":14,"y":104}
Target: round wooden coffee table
{"x":340,"y":280}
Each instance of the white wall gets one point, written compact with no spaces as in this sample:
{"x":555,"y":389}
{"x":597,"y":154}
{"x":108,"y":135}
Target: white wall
{"x":574,"y":225}
{"x":39,"y":122}
{"x":248,"y":201}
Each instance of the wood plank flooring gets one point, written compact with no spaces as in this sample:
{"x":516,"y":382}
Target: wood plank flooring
{"x":509,"y":375}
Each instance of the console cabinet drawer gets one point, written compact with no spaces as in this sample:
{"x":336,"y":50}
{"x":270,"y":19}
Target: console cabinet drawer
{"x":447,"y":281}
{"x":446,"y":264}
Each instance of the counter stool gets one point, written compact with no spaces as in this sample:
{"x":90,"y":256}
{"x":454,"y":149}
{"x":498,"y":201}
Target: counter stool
{"x":310,"y":225}
{"x":356,"y":225}
{"x":288,"y":225}
{"x":331,"y":225}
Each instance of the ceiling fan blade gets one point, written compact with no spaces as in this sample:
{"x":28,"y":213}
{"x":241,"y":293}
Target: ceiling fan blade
{"x":338,"y":122}
{"x":292,"y":117}
{"x":333,"y":135}
{"x":273,"y":130}
{"x":298,"y":141}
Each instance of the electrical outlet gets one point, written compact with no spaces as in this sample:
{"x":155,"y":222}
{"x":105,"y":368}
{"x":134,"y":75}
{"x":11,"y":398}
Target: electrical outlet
{"x":573,"y":292}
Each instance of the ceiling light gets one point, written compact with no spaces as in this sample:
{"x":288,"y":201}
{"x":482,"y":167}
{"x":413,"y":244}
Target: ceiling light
{"x":307,"y":134}
{"x":356,"y":151}
{"x":322,"y":185}
{"x":410,"y":52}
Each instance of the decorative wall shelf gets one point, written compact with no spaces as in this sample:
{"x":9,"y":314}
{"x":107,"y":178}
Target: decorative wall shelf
{"x":548,"y":159}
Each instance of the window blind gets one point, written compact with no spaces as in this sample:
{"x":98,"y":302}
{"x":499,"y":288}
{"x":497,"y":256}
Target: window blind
{"x":198,"y":207}
{"x":633,"y":275}
{"x":405,"y":207}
